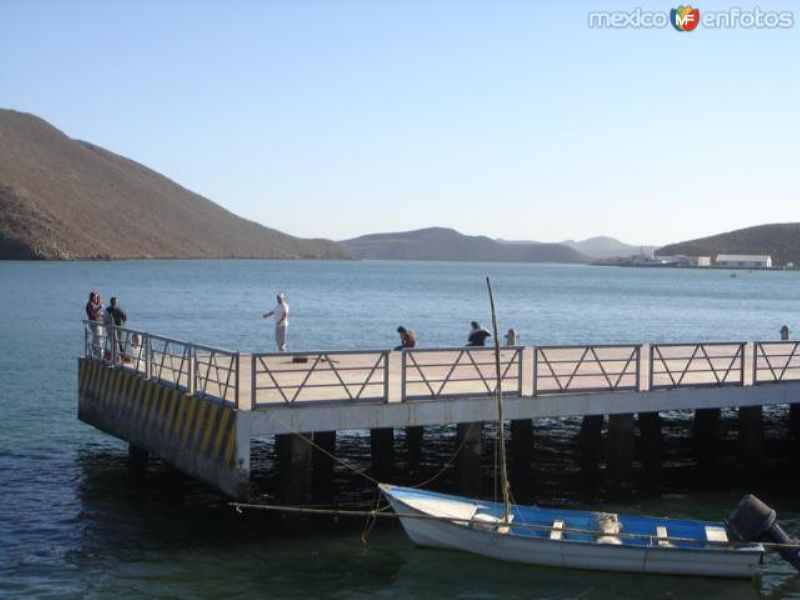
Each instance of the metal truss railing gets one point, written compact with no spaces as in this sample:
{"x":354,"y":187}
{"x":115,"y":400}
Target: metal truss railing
{"x":295,"y":377}
{"x":563,"y":369}
{"x":696,"y":365}
{"x":204,"y":370}
{"x":468,"y":371}
{"x":774,"y":362}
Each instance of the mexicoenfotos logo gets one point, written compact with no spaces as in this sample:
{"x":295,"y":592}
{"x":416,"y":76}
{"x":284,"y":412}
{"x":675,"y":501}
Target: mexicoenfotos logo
{"x":684,"y":18}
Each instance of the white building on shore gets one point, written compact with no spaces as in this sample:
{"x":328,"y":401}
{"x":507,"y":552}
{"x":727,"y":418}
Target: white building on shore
{"x":747,"y":261}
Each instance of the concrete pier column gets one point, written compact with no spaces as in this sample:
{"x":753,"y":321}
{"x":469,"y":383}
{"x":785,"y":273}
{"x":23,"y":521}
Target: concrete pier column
{"x":751,"y":436}
{"x":294,"y":468}
{"x":591,"y":445}
{"x":706,"y":435}
{"x":522,"y":457}
{"x":469,"y":459}
{"x":794,"y":428}
{"x":382,"y":444}
{"x":414,"y":446}
{"x":322,"y":465}
{"x":651,"y":444}
{"x":137,"y":458}
{"x":619,"y":455}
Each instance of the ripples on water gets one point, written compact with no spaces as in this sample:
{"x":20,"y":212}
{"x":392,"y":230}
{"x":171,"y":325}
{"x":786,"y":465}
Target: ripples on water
{"x":76,"y":522}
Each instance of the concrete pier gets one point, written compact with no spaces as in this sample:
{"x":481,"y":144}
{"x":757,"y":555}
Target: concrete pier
{"x":651,"y":444}
{"x":322,"y":465}
{"x":620,"y":449}
{"x":414,"y":439}
{"x":294,"y":468}
{"x":706,"y":435}
{"x":468,"y":463}
{"x":382,"y":445}
{"x":591,"y":445}
{"x":751,"y":436}
{"x":198,"y":407}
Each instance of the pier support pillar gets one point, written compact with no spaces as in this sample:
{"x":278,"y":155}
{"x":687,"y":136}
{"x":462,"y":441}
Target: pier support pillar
{"x":414,"y":446}
{"x":468,"y":437}
{"x":322,"y":465}
{"x":294,"y":468}
{"x":620,"y":448}
{"x":137,"y":458}
{"x":794,"y":429}
{"x":382,"y":444}
{"x":522,"y":457}
{"x":651,"y":444}
{"x":706,"y":435}
{"x":591,"y":446}
{"x":751,"y":436}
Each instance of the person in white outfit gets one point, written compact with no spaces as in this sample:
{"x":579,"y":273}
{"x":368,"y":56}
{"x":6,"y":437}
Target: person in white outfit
{"x":281,"y":315}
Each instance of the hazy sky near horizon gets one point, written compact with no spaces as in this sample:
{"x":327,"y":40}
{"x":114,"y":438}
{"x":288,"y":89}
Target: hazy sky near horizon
{"x":512,"y":119}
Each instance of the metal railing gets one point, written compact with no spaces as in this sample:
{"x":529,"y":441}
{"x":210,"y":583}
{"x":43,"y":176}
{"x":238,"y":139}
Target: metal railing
{"x":365,"y":376}
{"x":299,"y":377}
{"x":774,"y":362}
{"x":562,"y":369}
{"x":696,"y":365}
{"x":196,"y":369}
{"x":468,"y":371}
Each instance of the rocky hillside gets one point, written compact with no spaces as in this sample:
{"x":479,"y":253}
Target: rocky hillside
{"x":779,"y":240}
{"x":66,"y":199}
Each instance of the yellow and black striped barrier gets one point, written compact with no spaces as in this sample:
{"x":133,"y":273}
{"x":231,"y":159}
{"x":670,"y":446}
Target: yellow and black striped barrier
{"x":196,"y":435}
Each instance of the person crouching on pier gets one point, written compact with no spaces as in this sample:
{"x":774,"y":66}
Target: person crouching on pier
{"x":408,"y":339}
{"x":477,"y":335}
{"x":281,"y":315}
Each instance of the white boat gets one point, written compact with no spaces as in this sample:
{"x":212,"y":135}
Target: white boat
{"x":570,"y":538}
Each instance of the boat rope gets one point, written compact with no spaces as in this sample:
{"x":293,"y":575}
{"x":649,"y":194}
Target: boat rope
{"x":375,"y":514}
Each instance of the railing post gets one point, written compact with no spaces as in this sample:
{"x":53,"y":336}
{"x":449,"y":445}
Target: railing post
{"x":191,"y":382}
{"x":253,"y":381}
{"x":755,"y":362}
{"x":402,"y":376}
{"x":651,"y":366}
{"x":535,"y":368}
{"x":638,"y":367}
{"x":112,"y":339}
{"x":237,"y":380}
{"x":520,"y":356}
{"x":385,"y":376}
{"x":742,"y":347}
{"x":148,"y":356}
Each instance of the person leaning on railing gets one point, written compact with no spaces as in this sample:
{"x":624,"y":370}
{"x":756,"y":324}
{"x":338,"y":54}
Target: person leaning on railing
{"x":117,"y":317}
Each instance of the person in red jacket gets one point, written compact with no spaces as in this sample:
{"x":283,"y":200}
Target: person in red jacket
{"x":95,"y":314}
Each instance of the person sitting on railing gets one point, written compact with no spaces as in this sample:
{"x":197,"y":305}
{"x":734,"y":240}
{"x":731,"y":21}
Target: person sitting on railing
{"x":117,"y":317}
{"x":408,"y":339}
{"x":477,"y":335}
{"x":95,"y":315}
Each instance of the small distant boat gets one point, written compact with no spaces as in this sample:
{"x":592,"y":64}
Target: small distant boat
{"x":572,"y":539}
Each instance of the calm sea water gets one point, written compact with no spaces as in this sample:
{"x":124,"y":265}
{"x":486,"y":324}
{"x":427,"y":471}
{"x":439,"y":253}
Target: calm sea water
{"x":76,"y":523}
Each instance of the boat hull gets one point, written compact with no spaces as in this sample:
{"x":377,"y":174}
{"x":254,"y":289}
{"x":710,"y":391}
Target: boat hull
{"x":489,"y":542}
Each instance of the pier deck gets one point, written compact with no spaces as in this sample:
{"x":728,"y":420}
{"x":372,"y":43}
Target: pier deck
{"x":199,"y":406}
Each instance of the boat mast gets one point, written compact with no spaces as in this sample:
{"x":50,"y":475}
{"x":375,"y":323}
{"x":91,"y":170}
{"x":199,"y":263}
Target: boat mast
{"x":501,"y":437}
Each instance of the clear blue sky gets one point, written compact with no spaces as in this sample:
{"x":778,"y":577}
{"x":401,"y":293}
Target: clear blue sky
{"x":508,"y":118}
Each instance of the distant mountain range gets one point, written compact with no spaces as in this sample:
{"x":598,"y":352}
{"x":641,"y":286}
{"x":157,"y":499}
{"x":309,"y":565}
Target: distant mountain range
{"x":439,"y":243}
{"x":62,"y":198}
{"x":603,"y":247}
{"x":779,"y":240}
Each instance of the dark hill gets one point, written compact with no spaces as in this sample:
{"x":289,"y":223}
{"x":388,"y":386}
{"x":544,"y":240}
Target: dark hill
{"x":62,"y":198}
{"x":780,"y":240}
{"x":438,"y":243}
